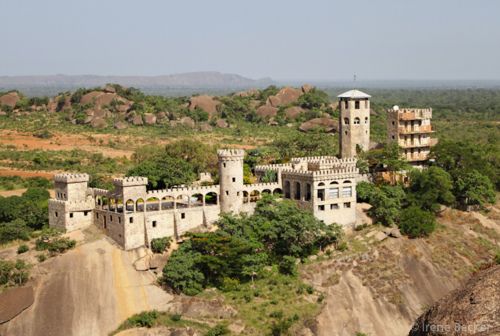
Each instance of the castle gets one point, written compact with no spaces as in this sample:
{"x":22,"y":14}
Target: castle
{"x":132,"y":215}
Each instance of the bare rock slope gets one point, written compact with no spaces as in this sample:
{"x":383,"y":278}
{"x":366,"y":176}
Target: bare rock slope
{"x":473,"y":309}
{"x":380,"y":286}
{"x":87,"y":291}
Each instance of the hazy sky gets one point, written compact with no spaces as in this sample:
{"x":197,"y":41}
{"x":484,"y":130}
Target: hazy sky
{"x":282,"y":39}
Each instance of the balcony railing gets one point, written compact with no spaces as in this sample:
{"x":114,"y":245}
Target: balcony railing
{"x":417,"y":157}
{"x":415,"y":129}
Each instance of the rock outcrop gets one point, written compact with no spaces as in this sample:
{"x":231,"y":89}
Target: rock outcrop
{"x":293,"y":112}
{"x":10,"y":99}
{"x":473,"y":309}
{"x":13,"y":301}
{"x":267,"y":111}
{"x":204,"y":102}
{"x":285,"y":96}
{"x":325,"y":124}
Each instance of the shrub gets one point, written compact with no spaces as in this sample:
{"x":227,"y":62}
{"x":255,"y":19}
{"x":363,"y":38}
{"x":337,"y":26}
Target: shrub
{"x":176,"y":317}
{"x":342,"y":246}
{"x":288,"y":265}
{"x":41,"y":257}
{"x":218,"y":330}
{"x":56,"y":245}
{"x":497,"y":257}
{"x":43,"y":134}
{"x":22,"y":249}
{"x":416,"y":222}
{"x":145,"y":319}
{"x":13,"y":273}
{"x":159,"y":245}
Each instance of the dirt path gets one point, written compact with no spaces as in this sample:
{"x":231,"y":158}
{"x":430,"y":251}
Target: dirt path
{"x":5,"y":171}
{"x":87,"y":291}
{"x":64,"y":141}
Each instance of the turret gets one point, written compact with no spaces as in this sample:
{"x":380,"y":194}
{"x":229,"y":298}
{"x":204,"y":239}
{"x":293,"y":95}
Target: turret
{"x":354,"y":122}
{"x":231,"y":179}
{"x":71,"y":187}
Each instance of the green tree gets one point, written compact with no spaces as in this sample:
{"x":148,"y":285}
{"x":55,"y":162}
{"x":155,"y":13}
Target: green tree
{"x":164,"y":172}
{"x":315,"y":98}
{"x":181,"y":272}
{"x":473,"y":188}
{"x":431,"y":187}
{"x":416,"y":222}
{"x":386,"y":204}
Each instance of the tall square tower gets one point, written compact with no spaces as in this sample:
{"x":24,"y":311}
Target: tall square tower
{"x":354,"y":122}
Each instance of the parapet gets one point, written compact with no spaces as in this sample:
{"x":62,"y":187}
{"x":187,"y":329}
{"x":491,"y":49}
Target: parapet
{"x":130,"y":181}
{"x":413,"y":113}
{"x":230,"y":154}
{"x":71,"y":178}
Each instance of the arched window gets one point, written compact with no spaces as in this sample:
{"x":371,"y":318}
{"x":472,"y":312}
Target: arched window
{"x":197,"y":200}
{"x":129,"y":205}
{"x":356,"y":121}
{"x":287,"y":189}
{"x":346,"y":104}
{"x":139,"y":205}
{"x":298,"y":194}
{"x":211,"y":198}
{"x":346,"y":121}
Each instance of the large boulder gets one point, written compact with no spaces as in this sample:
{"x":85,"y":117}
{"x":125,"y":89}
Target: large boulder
{"x":100,"y":99}
{"x":187,"y":122}
{"x":306,"y":88}
{"x":10,"y":99}
{"x":267,"y":111}
{"x":473,"y":309}
{"x":326,"y":124}
{"x":161,"y":116}
{"x":137,"y":120}
{"x":149,"y":119}
{"x":293,"y":112}
{"x":98,"y":123}
{"x":221,"y":123}
{"x":285,"y":96}
{"x":204,"y":102}
{"x":205,"y":127}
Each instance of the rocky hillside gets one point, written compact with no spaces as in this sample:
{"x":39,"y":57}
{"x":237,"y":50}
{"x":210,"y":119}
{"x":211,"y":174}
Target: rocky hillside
{"x":115,"y":106}
{"x":473,"y":309}
{"x":381,"y":284}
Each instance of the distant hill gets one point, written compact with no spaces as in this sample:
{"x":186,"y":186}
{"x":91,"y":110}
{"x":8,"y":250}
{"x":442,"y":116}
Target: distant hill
{"x":209,"y":80}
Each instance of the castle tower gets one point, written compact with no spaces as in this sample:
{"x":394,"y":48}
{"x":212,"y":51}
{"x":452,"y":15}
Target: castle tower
{"x":71,"y":187}
{"x":354,"y":122}
{"x":73,"y":206}
{"x":231,"y":179}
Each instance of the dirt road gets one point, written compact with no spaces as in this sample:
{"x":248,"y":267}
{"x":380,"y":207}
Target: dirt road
{"x":87,"y":291}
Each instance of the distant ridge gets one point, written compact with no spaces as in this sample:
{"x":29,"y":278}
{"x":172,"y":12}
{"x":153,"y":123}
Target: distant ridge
{"x":208,"y":79}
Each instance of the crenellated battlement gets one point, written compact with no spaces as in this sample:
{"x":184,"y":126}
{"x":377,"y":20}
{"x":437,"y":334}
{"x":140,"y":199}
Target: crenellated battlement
{"x":71,"y":178}
{"x":313,"y":158}
{"x":341,"y":172}
{"x":130,"y":181}
{"x":230,"y":154}
{"x":262,"y":185}
{"x":273,"y":166}
{"x":191,"y":190}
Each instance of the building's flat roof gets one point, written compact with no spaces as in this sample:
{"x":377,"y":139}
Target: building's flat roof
{"x":354,"y":94}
